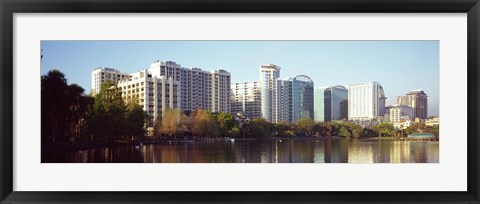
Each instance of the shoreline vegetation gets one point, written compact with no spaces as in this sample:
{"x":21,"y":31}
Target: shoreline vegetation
{"x":71,"y":120}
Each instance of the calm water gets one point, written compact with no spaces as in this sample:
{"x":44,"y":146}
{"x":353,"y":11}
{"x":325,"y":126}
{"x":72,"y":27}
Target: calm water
{"x":268,"y":151}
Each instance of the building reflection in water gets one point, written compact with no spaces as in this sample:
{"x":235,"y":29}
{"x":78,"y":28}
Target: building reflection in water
{"x":325,"y":150}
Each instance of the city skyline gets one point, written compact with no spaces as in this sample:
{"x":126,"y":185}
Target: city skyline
{"x":400,"y":66}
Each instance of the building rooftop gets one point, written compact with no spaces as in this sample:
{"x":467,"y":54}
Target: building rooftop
{"x":416,"y":91}
{"x":421,"y":135}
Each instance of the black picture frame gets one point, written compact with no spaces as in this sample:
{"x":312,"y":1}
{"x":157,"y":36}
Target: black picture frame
{"x":9,"y":7}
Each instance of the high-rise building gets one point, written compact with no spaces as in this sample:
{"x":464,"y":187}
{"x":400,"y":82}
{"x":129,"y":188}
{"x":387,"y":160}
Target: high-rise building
{"x":331,"y":103}
{"x":302,"y":98}
{"x":154,"y":94}
{"x":417,"y":99}
{"x":200,"y":89}
{"x":102,"y":74}
{"x":285,"y":107}
{"x":270,"y":99}
{"x":246,"y":99}
{"x":220,"y":91}
{"x":188,"y":88}
{"x":400,"y":113}
{"x":366,"y":101}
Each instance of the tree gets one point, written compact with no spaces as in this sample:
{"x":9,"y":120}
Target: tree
{"x":157,"y":129}
{"x":135,"y":120}
{"x":327,"y":129}
{"x":109,"y":109}
{"x":354,"y":129}
{"x":234,"y":132}
{"x":344,"y":132}
{"x":435,"y":130}
{"x":171,"y":122}
{"x":281,"y":129}
{"x":87,"y":125}
{"x":318,"y":129}
{"x":203,"y":124}
{"x":335,"y":127}
{"x":226,"y":122}
{"x":385,"y":129}
{"x":305,"y":126}
{"x":53,"y":104}
{"x":76,"y":108}
{"x":260,"y":128}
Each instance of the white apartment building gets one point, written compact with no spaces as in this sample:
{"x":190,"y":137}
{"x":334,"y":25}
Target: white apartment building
{"x":102,"y":74}
{"x":400,"y":113}
{"x":166,"y":84}
{"x":220,"y":91}
{"x":199,"y":89}
{"x":366,"y":101}
{"x":155,"y":94}
{"x":246,"y":99}
{"x":285,"y":105}
{"x":270,"y":93}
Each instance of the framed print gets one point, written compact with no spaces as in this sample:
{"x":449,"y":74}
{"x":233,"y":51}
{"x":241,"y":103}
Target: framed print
{"x":234,"y":101}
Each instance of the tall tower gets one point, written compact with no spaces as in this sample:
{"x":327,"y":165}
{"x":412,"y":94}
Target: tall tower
{"x":269,"y":83}
{"x":417,"y":99}
{"x":366,"y":101}
{"x":220,"y":91}
{"x":331,"y":103}
{"x":302,"y":98}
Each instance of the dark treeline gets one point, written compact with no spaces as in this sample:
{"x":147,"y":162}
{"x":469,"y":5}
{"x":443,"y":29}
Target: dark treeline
{"x":69,"y":115}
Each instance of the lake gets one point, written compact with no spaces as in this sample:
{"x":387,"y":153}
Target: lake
{"x":337,"y":150}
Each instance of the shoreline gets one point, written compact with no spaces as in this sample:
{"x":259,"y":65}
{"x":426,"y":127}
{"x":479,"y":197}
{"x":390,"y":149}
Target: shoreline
{"x":83,"y":145}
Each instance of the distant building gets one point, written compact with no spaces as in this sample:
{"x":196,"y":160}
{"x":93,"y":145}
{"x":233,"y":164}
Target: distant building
{"x":366,"y":101}
{"x":154,"y":94}
{"x":402,"y":124}
{"x":302,"y":98}
{"x":270,"y":92}
{"x":246,"y":99}
{"x":166,"y":84}
{"x":103,"y":74}
{"x":434,"y":121}
{"x":399,"y":113}
{"x":417,"y":99}
{"x":331,"y":103}
{"x":285,"y":108}
{"x":199,"y":89}
{"x":220,"y":91}
{"x":296,"y":99}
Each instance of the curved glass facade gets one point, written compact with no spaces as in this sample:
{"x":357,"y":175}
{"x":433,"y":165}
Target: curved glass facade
{"x":302,"y":98}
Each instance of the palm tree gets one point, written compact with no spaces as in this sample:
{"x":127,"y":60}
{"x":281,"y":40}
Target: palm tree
{"x":53,"y":92}
{"x":76,"y":109}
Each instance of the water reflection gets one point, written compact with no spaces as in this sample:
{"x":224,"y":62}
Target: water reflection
{"x":263,"y":151}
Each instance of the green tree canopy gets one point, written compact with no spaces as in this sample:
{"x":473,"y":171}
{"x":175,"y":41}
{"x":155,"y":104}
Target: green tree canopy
{"x":135,"y":120}
{"x":109,"y":110}
{"x":305,"y":126}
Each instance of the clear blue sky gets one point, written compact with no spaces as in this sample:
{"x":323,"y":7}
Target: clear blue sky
{"x":399,"y":66}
